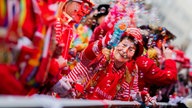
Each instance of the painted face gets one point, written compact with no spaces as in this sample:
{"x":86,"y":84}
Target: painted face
{"x":78,"y":10}
{"x":124,"y":51}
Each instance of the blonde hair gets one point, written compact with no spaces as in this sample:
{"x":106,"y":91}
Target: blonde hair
{"x":153,"y":54}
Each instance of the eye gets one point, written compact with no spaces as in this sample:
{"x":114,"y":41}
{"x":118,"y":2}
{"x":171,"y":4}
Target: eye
{"x":132,"y":49}
{"x":125,"y":45}
{"x":86,"y":8}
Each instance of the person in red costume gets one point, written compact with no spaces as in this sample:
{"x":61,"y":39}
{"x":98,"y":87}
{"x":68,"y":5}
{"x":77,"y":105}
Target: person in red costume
{"x":102,"y":72}
{"x":150,"y":72}
{"x":103,"y":10}
{"x":69,"y":12}
{"x":156,"y":66}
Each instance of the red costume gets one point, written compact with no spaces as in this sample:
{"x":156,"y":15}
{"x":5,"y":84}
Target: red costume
{"x":154,"y":70}
{"x":64,"y":31}
{"x":9,"y":84}
{"x":96,"y":87}
{"x":150,"y":73}
{"x":98,"y":77}
{"x":32,"y":21}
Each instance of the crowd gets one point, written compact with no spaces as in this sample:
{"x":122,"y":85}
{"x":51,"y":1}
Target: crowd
{"x":77,"y":49}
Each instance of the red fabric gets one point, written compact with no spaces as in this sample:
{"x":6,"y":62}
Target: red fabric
{"x":47,"y":15}
{"x":66,"y":37}
{"x":54,"y":74}
{"x":186,"y":63}
{"x":32,"y":91}
{"x":79,"y":88}
{"x":102,"y":89}
{"x":54,"y":67}
{"x":99,"y":32}
{"x":9,"y":84}
{"x":149,"y":73}
{"x":26,"y":51}
{"x":27,"y":71}
{"x":89,"y":50}
{"x":143,"y":94}
{"x":179,"y":56}
{"x":42,"y":71}
{"x":32,"y":53}
{"x":29,"y":25}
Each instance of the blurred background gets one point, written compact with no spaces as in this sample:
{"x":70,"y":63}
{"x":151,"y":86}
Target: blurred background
{"x":175,"y":15}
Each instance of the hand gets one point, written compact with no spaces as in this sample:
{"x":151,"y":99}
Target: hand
{"x":62,"y":87}
{"x":168,"y":53}
{"x":62,"y":62}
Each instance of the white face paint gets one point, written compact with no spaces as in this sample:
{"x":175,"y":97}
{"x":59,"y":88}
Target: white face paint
{"x":77,"y":10}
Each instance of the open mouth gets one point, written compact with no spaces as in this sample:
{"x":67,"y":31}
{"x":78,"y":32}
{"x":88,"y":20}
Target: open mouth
{"x":123,"y":55}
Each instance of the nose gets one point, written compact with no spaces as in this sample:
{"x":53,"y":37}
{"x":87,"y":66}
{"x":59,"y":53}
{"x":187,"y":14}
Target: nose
{"x":125,"y":50}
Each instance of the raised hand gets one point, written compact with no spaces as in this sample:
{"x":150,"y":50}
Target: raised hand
{"x":168,"y":53}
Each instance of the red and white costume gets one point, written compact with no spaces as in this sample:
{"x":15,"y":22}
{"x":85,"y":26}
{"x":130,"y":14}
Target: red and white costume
{"x":109,"y":82}
{"x":150,"y":73}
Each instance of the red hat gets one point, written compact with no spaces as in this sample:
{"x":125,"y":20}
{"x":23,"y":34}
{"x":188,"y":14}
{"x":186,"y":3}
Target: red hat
{"x":136,"y":34}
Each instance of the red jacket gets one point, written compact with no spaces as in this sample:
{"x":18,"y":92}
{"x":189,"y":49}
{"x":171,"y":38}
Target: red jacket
{"x":99,"y":78}
{"x":150,"y":73}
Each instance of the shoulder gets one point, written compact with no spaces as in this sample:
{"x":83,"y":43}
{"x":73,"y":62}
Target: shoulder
{"x":144,"y":62}
{"x":142,"y":59}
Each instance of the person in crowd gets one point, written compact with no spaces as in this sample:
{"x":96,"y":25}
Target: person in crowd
{"x":69,"y":13}
{"x":102,"y":12}
{"x":150,"y":72}
{"x":156,"y":66}
{"x":102,"y":72}
{"x":23,"y":37}
{"x":80,"y":41}
{"x":108,"y":24}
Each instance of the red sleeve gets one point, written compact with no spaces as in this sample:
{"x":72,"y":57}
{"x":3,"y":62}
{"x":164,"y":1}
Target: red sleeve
{"x":100,"y":31}
{"x":93,"y":49}
{"x":152,"y":74}
{"x":105,"y":27}
{"x":95,"y":35}
{"x":54,"y":67}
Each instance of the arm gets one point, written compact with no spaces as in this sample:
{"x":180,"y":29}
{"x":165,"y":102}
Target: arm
{"x":154,"y":75}
{"x":93,"y":49}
